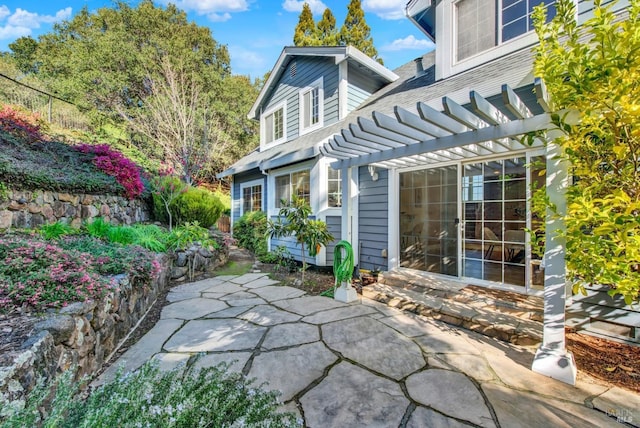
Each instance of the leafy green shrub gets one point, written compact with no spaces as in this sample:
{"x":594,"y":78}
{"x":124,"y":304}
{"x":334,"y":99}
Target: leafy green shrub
{"x":225,"y":198}
{"x":183,"y":236}
{"x":281,"y":257}
{"x":197,"y":204}
{"x":56,"y":230}
{"x":210,"y":397}
{"x":593,"y":72}
{"x":250,"y":231}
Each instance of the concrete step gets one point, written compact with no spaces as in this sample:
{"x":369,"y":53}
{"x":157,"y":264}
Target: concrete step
{"x":474,"y":315}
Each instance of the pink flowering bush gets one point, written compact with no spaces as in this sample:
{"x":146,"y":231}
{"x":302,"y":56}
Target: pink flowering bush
{"x":115,"y":164}
{"x":20,"y":124}
{"x":40,"y":274}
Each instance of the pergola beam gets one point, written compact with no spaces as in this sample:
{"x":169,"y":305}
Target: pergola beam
{"x":507,"y":130}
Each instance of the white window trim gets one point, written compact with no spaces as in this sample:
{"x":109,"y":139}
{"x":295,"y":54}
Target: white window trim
{"x":323,"y":189}
{"x":263,"y":137}
{"x":250,"y":184}
{"x":446,"y":58}
{"x":319,"y":83}
{"x":309,"y":165}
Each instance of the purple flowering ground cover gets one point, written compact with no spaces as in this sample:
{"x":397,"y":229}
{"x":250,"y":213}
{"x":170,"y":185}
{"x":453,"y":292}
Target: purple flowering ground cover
{"x":36,"y":274}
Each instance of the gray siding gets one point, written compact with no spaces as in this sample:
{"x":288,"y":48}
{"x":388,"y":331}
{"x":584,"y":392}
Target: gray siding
{"x":373,"y":212}
{"x":585,"y":8}
{"x":291,"y":245}
{"x":334,"y":224}
{"x":360,"y":88}
{"x":308,"y":70}
{"x":335,"y":227}
{"x":239,"y":179}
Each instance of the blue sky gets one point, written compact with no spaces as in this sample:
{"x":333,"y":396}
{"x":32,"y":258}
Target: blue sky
{"x":254,"y":30}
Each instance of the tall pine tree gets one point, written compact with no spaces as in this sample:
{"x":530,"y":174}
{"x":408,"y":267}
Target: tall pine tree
{"x":327,"y":32}
{"x":356,"y":32}
{"x":306,"y":31}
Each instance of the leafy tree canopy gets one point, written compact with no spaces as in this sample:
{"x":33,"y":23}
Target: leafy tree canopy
{"x":23,"y":51}
{"x":130,"y":65}
{"x":593,"y":71}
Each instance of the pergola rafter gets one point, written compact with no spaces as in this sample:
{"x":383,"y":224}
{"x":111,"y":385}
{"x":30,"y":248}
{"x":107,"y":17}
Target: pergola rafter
{"x":428,"y":137}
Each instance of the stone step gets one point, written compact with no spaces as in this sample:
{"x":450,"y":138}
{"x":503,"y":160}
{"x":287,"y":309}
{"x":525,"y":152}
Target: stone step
{"x":481,"y":319}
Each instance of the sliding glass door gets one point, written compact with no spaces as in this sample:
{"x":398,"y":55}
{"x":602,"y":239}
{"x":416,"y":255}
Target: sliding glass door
{"x":494,"y":201}
{"x":471,"y":220}
{"x":428,"y":220}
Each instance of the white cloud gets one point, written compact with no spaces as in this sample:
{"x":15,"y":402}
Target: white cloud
{"x":21,"y":22}
{"x":408,"y":43}
{"x":215,"y":10}
{"x":385,"y":9}
{"x":219,"y":17}
{"x":316,"y":6}
{"x":4,"y":12}
{"x":9,"y":32}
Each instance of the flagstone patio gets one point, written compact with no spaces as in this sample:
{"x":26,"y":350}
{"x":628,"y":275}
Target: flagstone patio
{"x":366,"y":364}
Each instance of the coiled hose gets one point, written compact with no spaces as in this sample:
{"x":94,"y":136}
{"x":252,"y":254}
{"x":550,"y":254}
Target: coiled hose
{"x":343,"y":269}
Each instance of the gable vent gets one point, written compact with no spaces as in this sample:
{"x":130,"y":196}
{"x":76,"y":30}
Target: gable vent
{"x":293,"y":69}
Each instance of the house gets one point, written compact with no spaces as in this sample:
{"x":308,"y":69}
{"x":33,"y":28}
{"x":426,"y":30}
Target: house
{"x":423,"y":167}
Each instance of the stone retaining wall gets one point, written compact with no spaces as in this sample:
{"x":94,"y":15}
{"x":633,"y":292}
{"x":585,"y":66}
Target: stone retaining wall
{"x":26,"y":209}
{"x":82,"y":334}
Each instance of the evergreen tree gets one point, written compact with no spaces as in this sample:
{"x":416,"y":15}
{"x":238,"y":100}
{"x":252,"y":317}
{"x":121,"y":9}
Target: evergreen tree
{"x":356,"y":32}
{"x":327,"y":29}
{"x":306,"y":31}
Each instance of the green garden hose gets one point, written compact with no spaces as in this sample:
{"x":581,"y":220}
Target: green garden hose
{"x":343,"y":269}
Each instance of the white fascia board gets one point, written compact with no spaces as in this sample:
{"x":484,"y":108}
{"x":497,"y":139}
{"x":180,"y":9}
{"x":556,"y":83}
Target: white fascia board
{"x":371,"y":64}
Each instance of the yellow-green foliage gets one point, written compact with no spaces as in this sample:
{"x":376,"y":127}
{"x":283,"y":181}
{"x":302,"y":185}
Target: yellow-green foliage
{"x":199,"y":205}
{"x":594,"y":70}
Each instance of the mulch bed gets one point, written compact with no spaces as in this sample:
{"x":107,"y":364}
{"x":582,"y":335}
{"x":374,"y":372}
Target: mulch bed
{"x":613,"y":362}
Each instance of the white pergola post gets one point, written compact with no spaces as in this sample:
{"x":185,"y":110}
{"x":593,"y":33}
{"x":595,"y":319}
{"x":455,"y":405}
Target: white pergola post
{"x":345,"y":292}
{"x":552,"y":358}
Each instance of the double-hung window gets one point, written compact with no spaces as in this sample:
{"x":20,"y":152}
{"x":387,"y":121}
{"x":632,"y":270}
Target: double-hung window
{"x":482,"y":24}
{"x":296,"y":183}
{"x":251,"y":196}
{"x":311,"y":106}
{"x":273,"y":125}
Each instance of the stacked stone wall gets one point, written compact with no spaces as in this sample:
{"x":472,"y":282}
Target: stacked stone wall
{"x":31,"y":209}
{"x":82,"y":334}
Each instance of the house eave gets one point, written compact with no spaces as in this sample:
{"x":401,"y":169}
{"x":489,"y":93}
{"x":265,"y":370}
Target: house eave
{"x":339,"y":53}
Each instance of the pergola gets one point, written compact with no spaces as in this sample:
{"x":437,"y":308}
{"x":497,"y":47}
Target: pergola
{"x":428,"y":136}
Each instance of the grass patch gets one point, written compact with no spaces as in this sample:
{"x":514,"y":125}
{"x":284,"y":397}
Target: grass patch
{"x":234,"y":268}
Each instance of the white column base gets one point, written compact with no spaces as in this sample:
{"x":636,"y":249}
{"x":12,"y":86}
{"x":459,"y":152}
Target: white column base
{"x":345,"y":293}
{"x":557,"y":364}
